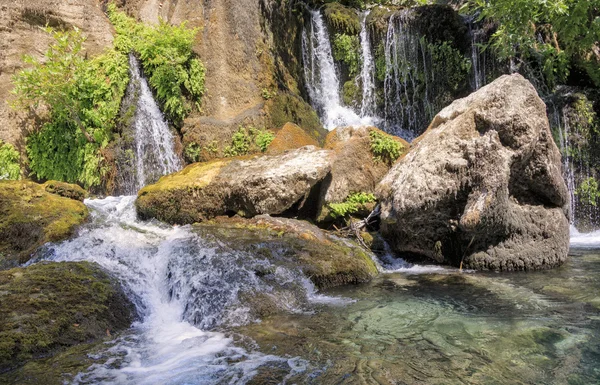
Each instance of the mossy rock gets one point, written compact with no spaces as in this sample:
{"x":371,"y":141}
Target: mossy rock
{"x":342,"y":19}
{"x":31,"y":216}
{"x":290,"y":137}
{"x":49,"y":306}
{"x":287,"y":108}
{"x":67,"y":190}
{"x":327,"y":260}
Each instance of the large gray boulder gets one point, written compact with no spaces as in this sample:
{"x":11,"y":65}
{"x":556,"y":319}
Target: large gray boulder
{"x":248,"y":186}
{"x":483,"y":186}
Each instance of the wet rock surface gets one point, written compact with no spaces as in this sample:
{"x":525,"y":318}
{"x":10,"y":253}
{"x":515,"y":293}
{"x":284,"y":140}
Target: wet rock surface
{"x":248,"y":186}
{"x":327,"y":260}
{"x":483,"y":186}
{"x":30,"y":216}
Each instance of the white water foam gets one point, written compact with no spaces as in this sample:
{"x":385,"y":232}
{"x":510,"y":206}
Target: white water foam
{"x":585,"y":240}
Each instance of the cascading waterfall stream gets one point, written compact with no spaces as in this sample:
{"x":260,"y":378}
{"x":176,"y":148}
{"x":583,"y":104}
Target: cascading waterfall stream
{"x":154,"y":143}
{"x":183,"y":286}
{"x":321,"y":78}
{"x":367,"y":74}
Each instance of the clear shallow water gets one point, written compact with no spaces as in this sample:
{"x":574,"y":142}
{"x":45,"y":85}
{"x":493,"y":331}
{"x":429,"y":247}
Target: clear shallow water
{"x":452,"y":328}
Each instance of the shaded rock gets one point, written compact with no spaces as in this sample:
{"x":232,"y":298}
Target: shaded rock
{"x":67,"y":190}
{"x":248,"y":186}
{"x":326,"y":259}
{"x":354,"y":169}
{"x":49,"y":306}
{"x":290,"y":137}
{"x":30,"y":216}
{"x":483,"y":185}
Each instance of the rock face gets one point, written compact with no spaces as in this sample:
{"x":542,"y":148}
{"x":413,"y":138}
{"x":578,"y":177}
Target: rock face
{"x":243,"y":70}
{"x":49,"y":306}
{"x":20,"y":34}
{"x":30,"y":216}
{"x":326,"y":259}
{"x":354,"y":168}
{"x":290,"y":137}
{"x":247,"y":185}
{"x":483,"y":185}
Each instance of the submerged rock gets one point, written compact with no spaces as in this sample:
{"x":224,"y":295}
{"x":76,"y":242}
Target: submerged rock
{"x":247,"y":186}
{"x":50,"y":306}
{"x":483,"y":186}
{"x":324,"y":258}
{"x":30,"y":216}
{"x":355,"y":168}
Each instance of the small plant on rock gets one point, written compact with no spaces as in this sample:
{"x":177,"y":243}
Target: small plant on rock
{"x":384,"y":147}
{"x":264,"y":139}
{"x":351,"y":205}
{"x":9,"y":162}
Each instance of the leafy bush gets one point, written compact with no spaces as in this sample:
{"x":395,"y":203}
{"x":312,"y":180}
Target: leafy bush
{"x":83,"y":98}
{"x":451,"y":67}
{"x":351,"y":205}
{"x":588,"y":191}
{"x":569,"y":28}
{"x":384,"y":147}
{"x":9,"y":162}
{"x":192,"y":152}
{"x":165,"y":51}
{"x":346,"y":49}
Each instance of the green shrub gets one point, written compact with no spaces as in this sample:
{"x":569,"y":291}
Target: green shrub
{"x":384,"y":147}
{"x":351,"y":205}
{"x":165,"y":51}
{"x":9,"y":162}
{"x":588,"y":191}
{"x":346,"y":49}
{"x":192,"y":152}
{"x":248,"y":140}
{"x":83,"y":98}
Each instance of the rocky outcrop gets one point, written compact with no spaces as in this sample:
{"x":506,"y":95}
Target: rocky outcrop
{"x":290,"y":137}
{"x":49,"y":306}
{"x":483,"y":186}
{"x":247,"y":186}
{"x":31,"y":216}
{"x":245,"y":81}
{"x":326,"y":259}
{"x":355,"y":168}
{"x":20,"y":34}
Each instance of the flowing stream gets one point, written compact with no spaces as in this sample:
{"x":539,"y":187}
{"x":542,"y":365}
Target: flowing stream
{"x":367,"y":74}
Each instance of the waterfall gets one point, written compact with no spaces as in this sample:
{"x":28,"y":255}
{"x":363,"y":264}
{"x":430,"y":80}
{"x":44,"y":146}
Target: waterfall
{"x":367,"y":74}
{"x":409,"y":81}
{"x":478,"y":56}
{"x":153,"y":141}
{"x":321,"y":79}
{"x":186,"y":288}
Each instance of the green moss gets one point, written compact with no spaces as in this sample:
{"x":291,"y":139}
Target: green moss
{"x":287,"y":108}
{"x":30,"y":217}
{"x":67,"y":190}
{"x":342,"y":19}
{"x":351,"y":94}
{"x":326,"y":260}
{"x":46,"y":307}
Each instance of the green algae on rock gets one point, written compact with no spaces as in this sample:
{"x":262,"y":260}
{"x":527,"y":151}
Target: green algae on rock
{"x":326,"y":259}
{"x":31,"y":216}
{"x":49,"y":306}
{"x":248,"y":186}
